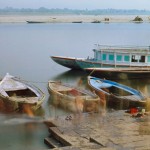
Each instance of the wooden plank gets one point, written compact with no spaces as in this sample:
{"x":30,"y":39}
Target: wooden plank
{"x":59,"y":136}
{"x":48,"y":142}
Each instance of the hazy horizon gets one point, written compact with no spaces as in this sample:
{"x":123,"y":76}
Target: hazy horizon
{"x":77,"y":4}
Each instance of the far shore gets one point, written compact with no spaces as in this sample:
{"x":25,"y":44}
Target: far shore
{"x":71,"y":18}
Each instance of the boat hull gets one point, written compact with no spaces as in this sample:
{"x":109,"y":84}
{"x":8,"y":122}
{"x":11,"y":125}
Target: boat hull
{"x":10,"y":105}
{"x":83,"y":64}
{"x":119,"y":73}
{"x":68,"y":62}
{"x":120,"y":103}
{"x":91,"y":63}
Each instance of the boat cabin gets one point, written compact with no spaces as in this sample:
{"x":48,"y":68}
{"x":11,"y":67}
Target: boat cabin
{"x":127,"y":56}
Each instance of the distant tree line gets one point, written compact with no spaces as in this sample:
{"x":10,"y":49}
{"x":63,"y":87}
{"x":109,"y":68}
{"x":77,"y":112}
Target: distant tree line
{"x":76,"y":11}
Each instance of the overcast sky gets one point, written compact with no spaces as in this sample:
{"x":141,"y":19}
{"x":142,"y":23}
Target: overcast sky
{"x":77,"y":4}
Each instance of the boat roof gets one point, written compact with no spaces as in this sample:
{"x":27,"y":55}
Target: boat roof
{"x":123,"y":49}
{"x":9,"y":84}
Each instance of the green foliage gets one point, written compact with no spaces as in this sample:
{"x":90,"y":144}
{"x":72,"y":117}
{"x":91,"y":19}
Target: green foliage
{"x":76,"y":11}
{"x":137,"y":18}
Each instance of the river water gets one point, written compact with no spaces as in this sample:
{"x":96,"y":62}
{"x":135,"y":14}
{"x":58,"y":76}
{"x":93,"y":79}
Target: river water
{"x":25,"y":53}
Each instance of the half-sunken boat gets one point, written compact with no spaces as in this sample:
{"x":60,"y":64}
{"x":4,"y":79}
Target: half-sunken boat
{"x":16,"y":93}
{"x":71,"y":98}
{"x":110,"y":56}
{"x":120,"y":73}
{"x":115,"y":94}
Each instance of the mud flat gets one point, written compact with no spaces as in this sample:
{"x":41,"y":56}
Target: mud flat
{"x":113,"y":131}
{"x":70,"y":18}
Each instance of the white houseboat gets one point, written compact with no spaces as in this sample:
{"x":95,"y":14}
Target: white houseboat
{"x":110,"y":56}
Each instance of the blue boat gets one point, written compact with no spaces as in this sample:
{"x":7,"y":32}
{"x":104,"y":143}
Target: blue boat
{"x":114,"y":93}
{"x":109,"y":56}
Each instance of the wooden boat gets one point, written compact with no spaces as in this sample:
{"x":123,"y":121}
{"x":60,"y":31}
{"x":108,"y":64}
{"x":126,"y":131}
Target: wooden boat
{"x":16,"y":93}
{"x":35,"y":21}
{"x":112,"y":56}
{"x":115,"y":94}
{"x":72,"y":98}
{"x":120,"y":73}
{"x":77,"y":22}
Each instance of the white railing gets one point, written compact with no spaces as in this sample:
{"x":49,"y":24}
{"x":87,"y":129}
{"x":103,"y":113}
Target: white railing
{"x":129,"y":49}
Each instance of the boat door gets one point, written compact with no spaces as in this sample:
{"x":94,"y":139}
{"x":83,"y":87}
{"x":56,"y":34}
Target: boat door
{"x":138,"y":58}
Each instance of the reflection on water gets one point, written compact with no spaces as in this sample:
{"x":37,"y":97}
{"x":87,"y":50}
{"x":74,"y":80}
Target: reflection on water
{"x":19,"y":119}
{"x":71,"y":76}
{"x":20,"y":131}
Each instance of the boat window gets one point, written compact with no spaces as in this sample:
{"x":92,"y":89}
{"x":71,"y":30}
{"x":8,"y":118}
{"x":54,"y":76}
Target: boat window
{"x":134,"y":59}
{"x":99,"y":56}
{"x":119,"y":57}
{"x":137,"y":58}
{"x":111,"y":57}
{"x":104,"y":56}
{"x":142,"y":59}
{"x":126,"y":58}
{"x":148,"y":58}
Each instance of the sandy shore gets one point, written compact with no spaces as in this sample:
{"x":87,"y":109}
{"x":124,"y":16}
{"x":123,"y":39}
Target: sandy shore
{"x":70,"y":18}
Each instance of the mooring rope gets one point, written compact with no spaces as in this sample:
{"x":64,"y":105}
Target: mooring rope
{"x":29,"y":81}
{"x":93,"y":69}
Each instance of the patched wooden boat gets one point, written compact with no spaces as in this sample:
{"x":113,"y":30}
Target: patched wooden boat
{"x":72,"y":98}
{"x":115,"y":93}
{"x":15,"y":93}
